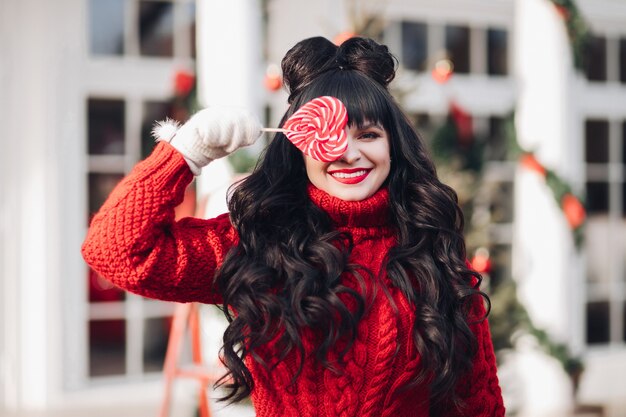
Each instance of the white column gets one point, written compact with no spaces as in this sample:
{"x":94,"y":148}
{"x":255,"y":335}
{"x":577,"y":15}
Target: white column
{"x":230,"y":72}
{"x":542,"y":243}
{"x":42,"y":206}
{"x":229,"y":53}
{"x":24,"y":105}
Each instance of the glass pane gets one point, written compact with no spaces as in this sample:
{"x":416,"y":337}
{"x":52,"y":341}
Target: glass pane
{"x":156,"y":28}
{"x":458,"y":45}
{"x":597,"y":198}
{"x":100,"y":186}
{"x":624,"y":143}
{"x":155,"y":337}
{"x":422,"y":123}
{"x":105,"y":126}
{"x":597,"y":141}
{"x":598,"y":322}
{"x":100,"y":290}
{"x":189,"y":26}
{"x":497,"y":52}
{"x":106,"y":27}
{"x":107,"y":347}
{"x":501,"y":204}
{"x":624,"y":322}
{"x":501,"y":260}
{"x":598,"y":250}
{"x":595,"y":59}
{"x":621,"y":235}
{"x":496,"y":148}
{"x":152,"y":111}
{"x":624,"y":199}
{"x":622,"y":60}
{"x":414,"y":45}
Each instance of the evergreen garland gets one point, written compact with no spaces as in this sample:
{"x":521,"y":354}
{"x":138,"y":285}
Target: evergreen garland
{"x":577,"y":30}
{"x":460,"y":162}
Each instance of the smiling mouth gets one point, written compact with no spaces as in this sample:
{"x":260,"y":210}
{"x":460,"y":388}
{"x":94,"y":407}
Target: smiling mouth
{"x":353,"y":176}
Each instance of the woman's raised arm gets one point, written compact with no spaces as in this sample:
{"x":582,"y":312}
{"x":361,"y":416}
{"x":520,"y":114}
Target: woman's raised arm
{"x":135,"y":242}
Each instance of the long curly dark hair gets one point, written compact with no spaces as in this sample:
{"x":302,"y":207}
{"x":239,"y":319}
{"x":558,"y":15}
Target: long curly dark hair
{"x":284,"y":274}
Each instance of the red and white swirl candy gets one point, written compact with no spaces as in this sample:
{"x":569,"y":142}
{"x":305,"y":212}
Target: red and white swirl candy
{"x":317,"y":128}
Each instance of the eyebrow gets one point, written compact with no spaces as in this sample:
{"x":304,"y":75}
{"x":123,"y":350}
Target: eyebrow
{"x":370,"y":125}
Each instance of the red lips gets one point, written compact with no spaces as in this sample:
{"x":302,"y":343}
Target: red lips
{"x":349,"y":175}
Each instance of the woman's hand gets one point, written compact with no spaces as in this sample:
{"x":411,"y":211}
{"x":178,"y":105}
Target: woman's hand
{"x":213,"y":133}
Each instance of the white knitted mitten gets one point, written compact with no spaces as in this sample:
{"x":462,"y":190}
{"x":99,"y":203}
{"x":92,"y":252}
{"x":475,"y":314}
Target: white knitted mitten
{"x":210,"y":134}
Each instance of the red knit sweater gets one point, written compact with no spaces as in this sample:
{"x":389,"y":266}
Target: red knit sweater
{"x":135,"y":242}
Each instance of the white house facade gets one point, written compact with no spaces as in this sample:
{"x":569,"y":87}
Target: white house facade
{"x":82,"y":80}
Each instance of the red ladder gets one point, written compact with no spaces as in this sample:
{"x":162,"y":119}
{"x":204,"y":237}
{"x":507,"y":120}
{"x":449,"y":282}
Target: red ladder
{"x":186,"y":316}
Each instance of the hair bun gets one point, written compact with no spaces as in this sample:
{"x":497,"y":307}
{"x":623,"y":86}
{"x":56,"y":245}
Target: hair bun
{"x":303,"y":62}
{"x":313,"y":56}
{"x":368,"y":57}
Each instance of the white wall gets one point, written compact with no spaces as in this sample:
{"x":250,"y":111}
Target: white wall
{"x":43,"y":196}
{"x":42,"y":166}
{"x":31,"y":54}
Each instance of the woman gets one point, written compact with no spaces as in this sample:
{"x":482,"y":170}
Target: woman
{"x":345,"y":282}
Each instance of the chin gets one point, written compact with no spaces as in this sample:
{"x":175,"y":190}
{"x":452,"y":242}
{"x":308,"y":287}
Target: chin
{"x":351,"y":194}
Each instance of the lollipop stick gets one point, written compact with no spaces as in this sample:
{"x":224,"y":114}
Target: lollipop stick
{"x":271,"y":129}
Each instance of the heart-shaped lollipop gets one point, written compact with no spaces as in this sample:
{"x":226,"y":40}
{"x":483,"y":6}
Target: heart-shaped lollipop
{"x":317,"y":128}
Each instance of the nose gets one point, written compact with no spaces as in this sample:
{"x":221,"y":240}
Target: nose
{"x":352,"y":153}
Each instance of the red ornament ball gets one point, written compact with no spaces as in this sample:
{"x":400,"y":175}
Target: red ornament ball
{"x":481,"y":262}
{"x":342,"y":37}
{"x":183,"y":83}
{"x":273,"y":82}
{"x":529,"y":162}
{"x":442,"y":71}
{"x":574,"y":211}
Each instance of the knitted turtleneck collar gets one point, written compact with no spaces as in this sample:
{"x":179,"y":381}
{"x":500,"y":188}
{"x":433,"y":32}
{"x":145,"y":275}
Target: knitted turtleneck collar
{"x":371,"y":212}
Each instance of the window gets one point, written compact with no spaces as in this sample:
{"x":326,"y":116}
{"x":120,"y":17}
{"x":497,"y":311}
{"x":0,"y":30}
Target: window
{"x":622,"y":60}
{"x":106,"y":23}
{"x":497,"y":52}
{"x":595,"y":59}
{"x":458,"y":47}
{"x":597,"y":197}
{"x":148,"y":28}
{"x":498,"y":167}
{"x":496,"y":146}
{"x":479,"y":50}
{"x":152,"y":111}
{"x":106,"y":127}
{"x":493,"y":210}
{"x":598,"y":320}
{"x":124,"y":336}
{"x":414,"y":46}
{"x":605,"y":157}
{"x":423,"y":123}
{"x":156,"y":28}
{"x":120,"y":344}
{"x":597,"y":141}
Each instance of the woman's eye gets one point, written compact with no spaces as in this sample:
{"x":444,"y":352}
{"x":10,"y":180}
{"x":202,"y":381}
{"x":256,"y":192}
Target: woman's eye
{"x":369,"y":135}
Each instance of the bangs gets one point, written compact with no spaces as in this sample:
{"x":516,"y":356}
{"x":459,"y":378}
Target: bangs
{"x":365,"y":100}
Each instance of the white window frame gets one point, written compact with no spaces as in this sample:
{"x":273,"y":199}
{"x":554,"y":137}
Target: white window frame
{"x":436,"y":41}
{"x":613,"y":290}
{"x":135,"y":79}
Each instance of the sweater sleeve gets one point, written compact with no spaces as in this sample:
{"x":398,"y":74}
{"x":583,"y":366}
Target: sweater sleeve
{"x":135,"y":242}
{"x":479,"y":389}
